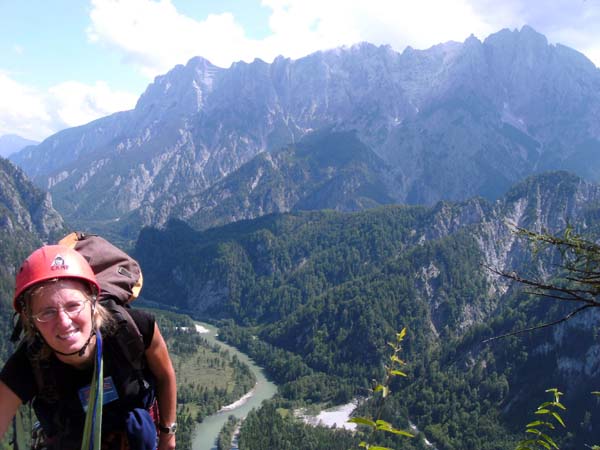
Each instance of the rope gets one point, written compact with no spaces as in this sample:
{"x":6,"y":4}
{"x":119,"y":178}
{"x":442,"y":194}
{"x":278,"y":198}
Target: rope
{"x":19,"y":432}
{"x":92,"y":430}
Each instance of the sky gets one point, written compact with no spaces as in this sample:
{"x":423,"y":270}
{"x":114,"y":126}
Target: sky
{"x":65,"y":63}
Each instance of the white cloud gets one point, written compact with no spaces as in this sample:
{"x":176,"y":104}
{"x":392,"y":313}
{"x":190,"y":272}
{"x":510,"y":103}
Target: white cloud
{"x":76,"y":103}
{"x":398,"y":23}
{"x":154,"y":36}
{"x":36,"y":114}
{"x":22,"y":110}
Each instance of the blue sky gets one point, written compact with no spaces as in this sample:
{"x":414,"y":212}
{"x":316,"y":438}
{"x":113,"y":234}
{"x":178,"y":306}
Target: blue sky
{"x":66,"y":62}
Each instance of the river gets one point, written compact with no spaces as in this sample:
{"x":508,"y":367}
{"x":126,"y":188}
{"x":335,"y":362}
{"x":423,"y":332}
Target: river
{"x":206,"y":433}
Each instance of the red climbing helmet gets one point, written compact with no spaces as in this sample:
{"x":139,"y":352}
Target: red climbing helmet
{"x":50,"y":262}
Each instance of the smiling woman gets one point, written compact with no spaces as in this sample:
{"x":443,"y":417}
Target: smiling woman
{"x":58,"y":312}
{"x":72,"y":339}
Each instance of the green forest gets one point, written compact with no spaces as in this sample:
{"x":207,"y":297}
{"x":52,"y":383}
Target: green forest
{"x":313,"y":298}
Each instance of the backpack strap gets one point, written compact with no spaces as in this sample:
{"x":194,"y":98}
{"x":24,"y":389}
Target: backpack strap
{"x":129,"y":339}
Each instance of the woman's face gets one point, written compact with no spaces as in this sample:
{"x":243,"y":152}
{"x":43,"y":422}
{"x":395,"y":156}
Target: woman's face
{"x":66,"y":322}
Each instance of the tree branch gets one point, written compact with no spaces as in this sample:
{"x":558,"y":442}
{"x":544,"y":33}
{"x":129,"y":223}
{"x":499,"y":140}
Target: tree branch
{"x":538,"y":327}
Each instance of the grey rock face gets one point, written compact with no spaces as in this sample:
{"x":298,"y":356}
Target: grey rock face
{"x":454,"y":121}
{"x":25,"y":209}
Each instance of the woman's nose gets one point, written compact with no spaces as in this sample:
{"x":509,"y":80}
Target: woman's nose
{"x":62,"y":316}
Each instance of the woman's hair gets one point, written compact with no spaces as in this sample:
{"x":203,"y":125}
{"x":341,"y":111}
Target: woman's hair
{"x":102,"y":318}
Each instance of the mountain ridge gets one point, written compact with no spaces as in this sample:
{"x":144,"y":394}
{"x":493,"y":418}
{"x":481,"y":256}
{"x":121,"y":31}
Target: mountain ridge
{"x":452,"y":121}
{"x":12,"y":143}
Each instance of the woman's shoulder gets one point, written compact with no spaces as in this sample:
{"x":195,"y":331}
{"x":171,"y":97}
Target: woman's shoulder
{"x":144,"y":321}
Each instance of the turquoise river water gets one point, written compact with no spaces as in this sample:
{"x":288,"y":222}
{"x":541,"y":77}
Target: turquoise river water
{"x":206,"y":433}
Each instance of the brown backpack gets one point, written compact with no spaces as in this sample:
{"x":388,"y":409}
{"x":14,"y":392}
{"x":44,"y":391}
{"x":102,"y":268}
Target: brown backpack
{"x":118,"y":274}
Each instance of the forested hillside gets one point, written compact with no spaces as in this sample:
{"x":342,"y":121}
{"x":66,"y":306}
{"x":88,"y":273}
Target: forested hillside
{"x":314,"y":297}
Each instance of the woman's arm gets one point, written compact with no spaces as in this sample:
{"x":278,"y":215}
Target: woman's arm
{"x":9,"y":403}
{"x":160,"y":364}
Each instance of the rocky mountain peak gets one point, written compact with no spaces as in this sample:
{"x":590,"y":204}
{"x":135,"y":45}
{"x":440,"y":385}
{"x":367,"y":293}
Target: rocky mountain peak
{"x":183,"y":89}
{"x":24,"y":208}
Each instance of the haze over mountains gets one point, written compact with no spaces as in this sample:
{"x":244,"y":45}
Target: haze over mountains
{"x":11,"y":143}
{"x":451,"y":122}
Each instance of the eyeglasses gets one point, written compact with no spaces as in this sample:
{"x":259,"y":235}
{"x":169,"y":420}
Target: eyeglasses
{"x":71,"y":309}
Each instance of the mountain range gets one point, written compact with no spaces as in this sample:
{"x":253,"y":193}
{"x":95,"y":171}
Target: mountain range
{"x":12,"y":143}
{"x":448,"y":123}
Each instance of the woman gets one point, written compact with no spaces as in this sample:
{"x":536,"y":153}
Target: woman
{"x":55,"y":295}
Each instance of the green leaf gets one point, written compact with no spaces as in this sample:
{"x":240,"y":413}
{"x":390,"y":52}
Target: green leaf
{"x":543,"y":444}
{"x":380,"y":448}
{"x":546,"y":404}
{"x":549,"y":440}
{"x":542,"y":411}
{"x":396,"y":359}
{"x":401,"y":432}
{"x":400,"y":336}
{"x":362,"y":421}
{"x":363,"y":444}
{"x":384,"y":390}
{"x":595,"y":393}
{"x":526,"y":444}
{"x":551,"y":404}
{"x":540,"y":422}
{"x":534,"y":424}
{"x":397,"y":372}
{"x":383,"y":425}
{"x":558,"y":419}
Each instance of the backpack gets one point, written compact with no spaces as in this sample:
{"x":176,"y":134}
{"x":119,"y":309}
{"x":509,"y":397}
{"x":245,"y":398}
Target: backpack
{"x":118,"y":274}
